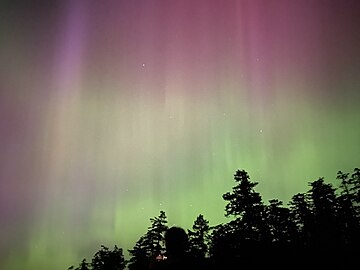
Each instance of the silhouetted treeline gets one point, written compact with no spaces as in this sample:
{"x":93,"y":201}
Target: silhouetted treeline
{"x":317,"y":228}
{"x":104,"y":259}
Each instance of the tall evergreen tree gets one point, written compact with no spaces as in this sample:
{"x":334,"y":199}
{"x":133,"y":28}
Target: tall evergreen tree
{"x":281,"y":226}
{"x":244,"y":236}
{"x":150,"y":244}
{"x":155,"y":233}
{"x":303,"y":218}
{"x":355,"y":189}
{"x":106,"y":259}
{"x":199,"y":236}
{"x":327,"y":232}
{"x":139,"y":255}
{"x":246,"y":206}
{"x":348,"y":211}
{"x":224,"y":248}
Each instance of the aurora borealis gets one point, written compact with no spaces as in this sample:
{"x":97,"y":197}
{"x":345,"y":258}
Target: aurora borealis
{"x":111,"y":111}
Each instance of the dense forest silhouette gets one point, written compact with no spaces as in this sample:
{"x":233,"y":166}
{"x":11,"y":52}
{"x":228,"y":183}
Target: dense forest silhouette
{"x":317,"y":228}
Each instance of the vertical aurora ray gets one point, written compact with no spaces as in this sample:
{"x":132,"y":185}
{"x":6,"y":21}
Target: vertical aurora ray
{"x":112,"y":111}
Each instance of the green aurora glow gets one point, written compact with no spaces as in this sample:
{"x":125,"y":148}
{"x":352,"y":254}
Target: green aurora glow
{"x":112,"y":112}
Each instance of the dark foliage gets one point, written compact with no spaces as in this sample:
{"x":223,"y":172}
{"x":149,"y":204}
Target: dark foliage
{"x":199,"y":237}
{"x":149,"y":246}
{"x":319,"y":228}
{"x":104,"y":259}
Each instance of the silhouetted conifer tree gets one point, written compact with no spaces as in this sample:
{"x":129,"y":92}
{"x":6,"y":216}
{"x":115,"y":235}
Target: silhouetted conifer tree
{"x":84,"y":265}
{"x":155,"y":233}
{"x":326,"y":236}
{"x":282,"y":230}
{"x":106,"y":259}
{"x":281,"y":226}
{"x":246,"y":206}
{"x":347,"y":211}
{"x":303,"y":218}
{"x":241,"y":239}
{"x":140,"y":255}
{"x":149,"y":245}
{"x":199,"y":237}
{"x":224,"y":247}
{"x":355,"y":189}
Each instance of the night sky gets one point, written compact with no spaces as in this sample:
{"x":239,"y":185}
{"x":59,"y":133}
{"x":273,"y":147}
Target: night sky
{"x":111,"y":111}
